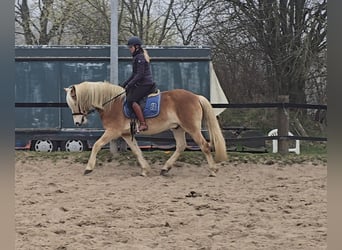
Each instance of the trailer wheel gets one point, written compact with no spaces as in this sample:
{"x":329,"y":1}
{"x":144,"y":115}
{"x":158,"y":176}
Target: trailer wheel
{"x":74,"y":146}
{"x":44,"y":146}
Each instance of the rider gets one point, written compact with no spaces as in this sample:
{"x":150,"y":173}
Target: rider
{"x":140,"y":83}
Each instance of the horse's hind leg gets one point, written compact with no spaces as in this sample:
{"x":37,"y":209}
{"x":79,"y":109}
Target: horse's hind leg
{"x":132,"y":143}
{"x":179,"y":136}
{"x":205,"y":147}
{"x":103,"y":140}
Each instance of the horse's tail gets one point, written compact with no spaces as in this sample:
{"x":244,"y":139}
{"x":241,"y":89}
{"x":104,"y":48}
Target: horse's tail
{"x":216,"y":137}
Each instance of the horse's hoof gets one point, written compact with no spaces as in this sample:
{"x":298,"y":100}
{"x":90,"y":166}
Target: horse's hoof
{"x":212,"y":175}
{"x":87,"y":172}
{"x":163,"y":172}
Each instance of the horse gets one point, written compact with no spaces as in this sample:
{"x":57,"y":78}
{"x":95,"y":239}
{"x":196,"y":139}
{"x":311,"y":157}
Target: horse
{"x":181,"y":111}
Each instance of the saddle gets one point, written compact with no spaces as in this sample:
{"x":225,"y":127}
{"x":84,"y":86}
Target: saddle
{"x":150,"y":105}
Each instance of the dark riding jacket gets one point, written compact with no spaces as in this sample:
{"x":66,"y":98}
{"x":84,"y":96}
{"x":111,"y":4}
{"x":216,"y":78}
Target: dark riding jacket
{"x":141,"y":74}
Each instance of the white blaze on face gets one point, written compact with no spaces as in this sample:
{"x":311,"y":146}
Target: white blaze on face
{"x":79,"y":120}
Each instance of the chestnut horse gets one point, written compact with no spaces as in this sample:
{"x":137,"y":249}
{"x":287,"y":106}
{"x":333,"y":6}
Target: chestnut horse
{"x":180,"y":111}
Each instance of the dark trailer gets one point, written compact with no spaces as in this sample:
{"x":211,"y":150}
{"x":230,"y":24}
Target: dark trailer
{"x":44,"y":123}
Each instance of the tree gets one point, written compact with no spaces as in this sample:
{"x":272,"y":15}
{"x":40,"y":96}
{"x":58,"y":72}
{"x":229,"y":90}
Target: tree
{"x":290,"y":33}
{"x":42,"y":21}
{"x":238,"y":60}
{"x":189,"y":17}
{"x":90,"y":23}
{"x":163,"y":22}
{"x":148,"y":19}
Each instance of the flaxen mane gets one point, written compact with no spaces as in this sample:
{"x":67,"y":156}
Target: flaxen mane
{"x":96,"y":94}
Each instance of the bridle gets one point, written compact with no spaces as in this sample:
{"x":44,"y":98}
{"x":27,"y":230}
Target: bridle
{"x":79,"y":108}
{"x":83,"y":114}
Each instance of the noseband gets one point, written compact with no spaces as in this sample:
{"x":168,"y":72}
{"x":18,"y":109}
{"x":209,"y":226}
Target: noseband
{"x":82,"y":113}
{"x":79,"y":110}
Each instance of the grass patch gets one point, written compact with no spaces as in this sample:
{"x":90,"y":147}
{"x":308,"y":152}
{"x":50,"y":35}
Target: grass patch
{"x":315,"y":153}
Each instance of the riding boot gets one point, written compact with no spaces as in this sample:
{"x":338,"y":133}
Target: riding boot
{"x":138,"y":112}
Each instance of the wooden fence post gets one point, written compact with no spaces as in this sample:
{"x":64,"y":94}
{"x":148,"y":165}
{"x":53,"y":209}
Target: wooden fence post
{"x":283,"y":125}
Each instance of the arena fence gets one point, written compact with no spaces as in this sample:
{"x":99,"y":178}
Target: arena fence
{"x":250,"y":141}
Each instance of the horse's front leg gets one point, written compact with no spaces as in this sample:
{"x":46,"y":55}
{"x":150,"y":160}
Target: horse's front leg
{"x":132,"y":143}
{"x":107,"y":136}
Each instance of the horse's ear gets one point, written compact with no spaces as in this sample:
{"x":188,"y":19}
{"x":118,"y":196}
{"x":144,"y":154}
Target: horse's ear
{"x":73,"y":92}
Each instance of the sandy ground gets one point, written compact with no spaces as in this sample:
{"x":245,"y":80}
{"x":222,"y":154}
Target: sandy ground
{"x":247,"y":206}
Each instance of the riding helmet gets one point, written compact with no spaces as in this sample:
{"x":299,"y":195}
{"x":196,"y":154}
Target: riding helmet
{"x":134,"y":40}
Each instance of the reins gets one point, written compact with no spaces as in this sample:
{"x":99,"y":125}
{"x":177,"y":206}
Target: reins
{"x":92,"y":110}
{"x":113,"y":98}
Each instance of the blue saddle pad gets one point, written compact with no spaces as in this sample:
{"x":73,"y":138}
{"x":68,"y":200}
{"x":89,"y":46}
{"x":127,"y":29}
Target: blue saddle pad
{"x":151,"y":107}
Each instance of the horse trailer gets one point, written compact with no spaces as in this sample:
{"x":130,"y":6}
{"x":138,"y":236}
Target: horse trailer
{"x":43,"y":121}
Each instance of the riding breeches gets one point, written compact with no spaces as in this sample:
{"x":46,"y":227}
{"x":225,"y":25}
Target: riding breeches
{"x":136,"y":93}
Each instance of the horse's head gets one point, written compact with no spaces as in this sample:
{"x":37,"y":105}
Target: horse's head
{"x":79,"y":116}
